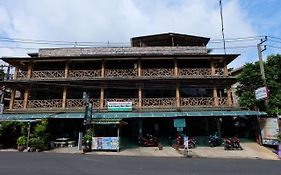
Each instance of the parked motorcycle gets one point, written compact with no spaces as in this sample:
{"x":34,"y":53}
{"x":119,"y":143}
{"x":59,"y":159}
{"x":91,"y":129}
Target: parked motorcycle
{"x":214,"y":140}
{"x":232,"y":143}
{"x":149,"y":141}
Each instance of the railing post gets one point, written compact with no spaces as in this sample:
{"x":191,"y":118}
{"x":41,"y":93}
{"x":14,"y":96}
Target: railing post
{"x":64,"y":97}
{"x":66,"y":68}
{"x":140,"y":96}
{"x":102,"y":97}
{"x":175,"y":67}
{"x":29,"y":71}
{"x":12,"y":99}
{"x":26,"y":94}
{"x":102,"y":68}
{"x":16,"y":73}
{"x":139,"y":68}
{"x":177,"y":94}
{"x":215,"y":95}
{"x":225,"y":71}
{"x":229,"y":99}
{"x":213,"y":71}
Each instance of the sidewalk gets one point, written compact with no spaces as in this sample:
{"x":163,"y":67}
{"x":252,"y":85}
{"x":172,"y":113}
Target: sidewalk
{"x":250,"y":150}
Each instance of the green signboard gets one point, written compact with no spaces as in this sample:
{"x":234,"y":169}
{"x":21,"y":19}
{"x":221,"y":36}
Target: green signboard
{"x":179,"y":123}
{"x":119,"y":106}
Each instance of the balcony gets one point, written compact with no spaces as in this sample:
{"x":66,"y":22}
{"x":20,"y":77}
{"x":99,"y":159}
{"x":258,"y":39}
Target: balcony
{"x":146,"y":103}
{"x":125,"y":73}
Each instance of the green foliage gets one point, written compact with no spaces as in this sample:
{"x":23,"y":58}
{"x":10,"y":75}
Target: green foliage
{"x":40,"y":135}
{"x":37,"y":143}
{"x":250,"y":79}
{"x":22,"y":140}
{"x":87,"y":138}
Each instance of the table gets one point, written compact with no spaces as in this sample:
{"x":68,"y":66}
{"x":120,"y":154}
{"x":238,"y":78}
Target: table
{"x":61,"y":142}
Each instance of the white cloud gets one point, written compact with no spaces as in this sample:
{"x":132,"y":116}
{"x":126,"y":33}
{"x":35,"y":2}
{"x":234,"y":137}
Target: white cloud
{"x":118,"y":20}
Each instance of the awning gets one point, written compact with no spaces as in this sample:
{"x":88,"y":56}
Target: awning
{"x":121,"y":115}
{"x":40,"y":116}
{"x":176,"y":114}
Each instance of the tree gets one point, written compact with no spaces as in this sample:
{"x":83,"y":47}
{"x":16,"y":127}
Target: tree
{"x":250,"y":79}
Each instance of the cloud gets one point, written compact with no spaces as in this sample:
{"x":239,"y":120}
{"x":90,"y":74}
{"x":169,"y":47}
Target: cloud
{"x":117,"y":20}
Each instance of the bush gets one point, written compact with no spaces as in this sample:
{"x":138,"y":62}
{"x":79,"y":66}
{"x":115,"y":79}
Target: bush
{"x":87,"y":138}
{"x":22,"y":140}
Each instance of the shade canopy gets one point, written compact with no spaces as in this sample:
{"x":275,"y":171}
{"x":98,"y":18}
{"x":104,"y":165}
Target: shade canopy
{"x":121,"y":115}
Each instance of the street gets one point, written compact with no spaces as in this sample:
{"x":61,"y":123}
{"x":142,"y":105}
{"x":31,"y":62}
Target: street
{"x":51,"y":163}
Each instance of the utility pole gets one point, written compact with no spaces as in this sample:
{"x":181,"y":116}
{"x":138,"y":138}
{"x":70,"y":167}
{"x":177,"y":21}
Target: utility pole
{"x":260,"y":50}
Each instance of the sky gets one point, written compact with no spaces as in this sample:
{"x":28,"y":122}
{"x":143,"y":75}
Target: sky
{"x":27,"y":25}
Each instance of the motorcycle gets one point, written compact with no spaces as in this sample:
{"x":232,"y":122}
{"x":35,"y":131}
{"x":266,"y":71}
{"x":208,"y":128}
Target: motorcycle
{"x":214,"y":140}
{"x":232,"y":143}
{"x":149,"y":141}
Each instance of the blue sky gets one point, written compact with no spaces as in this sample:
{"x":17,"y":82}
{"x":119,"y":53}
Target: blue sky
{"x":103,"y":21}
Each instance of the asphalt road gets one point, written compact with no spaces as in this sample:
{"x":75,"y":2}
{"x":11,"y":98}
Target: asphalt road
{"x":12,"y":163}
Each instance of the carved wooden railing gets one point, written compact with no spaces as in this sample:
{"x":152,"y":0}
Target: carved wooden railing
{"x":78,"y":103}
{"x":194,"y":72}
{"x":156,"y":102}
{"x":22,"y":75}
{"x":84,"y":73}
{"x":219,"y":71}
{"x":53,"y":103}
{"x":18,"y":104}
{"x":135,"y":101}
{"x":222,"y":101}
{"x":157,"y":72}
{"x":197,"y":101}
{"x":120,"y":72}
{"x":48,"y":74}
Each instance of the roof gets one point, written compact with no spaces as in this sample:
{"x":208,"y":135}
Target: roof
{"x":169,"y":39}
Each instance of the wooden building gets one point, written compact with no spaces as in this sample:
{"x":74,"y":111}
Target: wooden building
{"x":164,"y":77}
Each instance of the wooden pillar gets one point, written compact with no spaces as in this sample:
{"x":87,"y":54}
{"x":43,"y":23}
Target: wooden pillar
{"x":175,"y":67}
{"x":139,"y":68}
{"x":102,"y":68}
{"x":140,"y":96}
{"x":215,"y":95}
{"x":66,"y":69}
{"x":64,"y":97}
{"x":225,"y":71}
{"x":229,"y":97}
{"x":213,"y":70}
{"x":25,"y":100}
{"x":29,"y":71}
{"x":177,"y":94}
{"x":101,"y":97}
{"x":12,"y":99}
{"x":16,"y":73}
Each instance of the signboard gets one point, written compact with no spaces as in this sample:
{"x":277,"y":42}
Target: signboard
{"x":119,"y":106}
{"x":261,"y":93}
{"x":269,"y":131}
{"x":88,"y":113}
{"x":179,"y":123}
{"x":180,"y":129}
{"x":105,"y":143}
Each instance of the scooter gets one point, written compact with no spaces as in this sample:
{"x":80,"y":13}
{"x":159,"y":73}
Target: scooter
{"x":214,"y":140}
{"x":149,"y":141}
{"x":232,"y":143}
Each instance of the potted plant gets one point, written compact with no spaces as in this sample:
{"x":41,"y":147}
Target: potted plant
{"x":21,"y":142}
{"x":87,"y":141}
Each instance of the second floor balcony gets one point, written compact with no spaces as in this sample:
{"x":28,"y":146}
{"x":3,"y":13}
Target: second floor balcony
{"x":111,"y":73}
{"x":189,"y":102}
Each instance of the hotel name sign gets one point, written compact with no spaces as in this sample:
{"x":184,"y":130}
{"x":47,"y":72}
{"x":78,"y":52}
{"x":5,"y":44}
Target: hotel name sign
{"x":119,"y":106}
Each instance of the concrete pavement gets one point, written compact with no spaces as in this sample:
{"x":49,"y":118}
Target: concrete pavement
{"x":250,"y":150}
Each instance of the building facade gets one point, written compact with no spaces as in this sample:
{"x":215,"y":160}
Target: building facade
{"x":162,"y":77}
